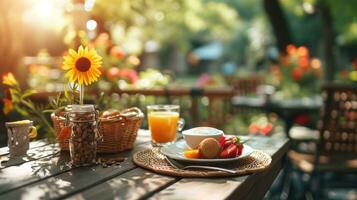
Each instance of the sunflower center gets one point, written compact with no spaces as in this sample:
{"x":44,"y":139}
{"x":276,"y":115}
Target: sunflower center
{"x":83,"y":64}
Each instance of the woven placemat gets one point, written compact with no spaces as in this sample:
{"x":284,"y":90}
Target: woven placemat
{"x":153,"y":160}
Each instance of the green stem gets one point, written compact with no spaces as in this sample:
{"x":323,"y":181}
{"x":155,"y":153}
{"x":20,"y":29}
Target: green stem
{"x":49,"y":127}
{"x":81,"y":94}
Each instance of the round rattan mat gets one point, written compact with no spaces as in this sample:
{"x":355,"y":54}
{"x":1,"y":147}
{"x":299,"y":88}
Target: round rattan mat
{"x":153,"y":160}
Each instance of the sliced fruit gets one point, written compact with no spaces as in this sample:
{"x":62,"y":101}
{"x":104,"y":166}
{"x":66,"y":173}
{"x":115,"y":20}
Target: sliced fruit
{"x":226,"y":144}
{"x":239,"y":150}
{"x":229,"y":152}
{"x":231,"y":147}
{"x":191,"y":153}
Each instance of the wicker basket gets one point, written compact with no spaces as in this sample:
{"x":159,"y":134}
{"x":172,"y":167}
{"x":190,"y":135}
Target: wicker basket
{"x":119,"y":130}
{"x":59,"y":120}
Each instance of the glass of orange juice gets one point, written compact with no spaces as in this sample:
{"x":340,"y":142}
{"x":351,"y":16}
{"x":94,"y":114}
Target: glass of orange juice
{"x":164,"y":122}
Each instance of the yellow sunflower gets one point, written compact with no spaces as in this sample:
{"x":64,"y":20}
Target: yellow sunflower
{"x":83,"y":65}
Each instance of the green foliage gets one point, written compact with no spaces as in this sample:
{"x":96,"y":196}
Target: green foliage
{"x":306,"y":28}
{"x":183,"y":20}
{"x":24,"y":106}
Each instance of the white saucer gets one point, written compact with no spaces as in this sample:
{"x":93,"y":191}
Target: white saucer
{"x":175,"y":151}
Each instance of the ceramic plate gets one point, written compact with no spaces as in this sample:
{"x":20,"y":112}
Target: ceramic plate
{"x":175,"y":151}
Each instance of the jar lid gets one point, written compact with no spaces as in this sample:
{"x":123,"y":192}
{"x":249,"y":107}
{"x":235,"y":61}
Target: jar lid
{"x":83,"y":108}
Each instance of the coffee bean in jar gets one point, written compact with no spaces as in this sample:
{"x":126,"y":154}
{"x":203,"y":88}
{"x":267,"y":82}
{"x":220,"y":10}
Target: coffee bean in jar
{"x":83,"y":120}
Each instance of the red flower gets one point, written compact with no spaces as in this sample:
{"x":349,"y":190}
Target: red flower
{"x":129,"y":74}
{"x":344,"y":73}
{"x":117,"y":52}
{"x":253,"y":128}
{"x":296,"y":74}
{"x":355,"y":63}
{"x":303,"y":51}
{"x":113,"y":73}
{"x":8,"y":106}
{"x":264,"y":129}
{"x":302,"y":119}
{"x":291,"y":49}
{"x":304,"y":63}
{"x":275,"y":69}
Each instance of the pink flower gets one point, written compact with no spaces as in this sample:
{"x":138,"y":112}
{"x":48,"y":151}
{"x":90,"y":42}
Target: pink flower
{"x":205,"y":79}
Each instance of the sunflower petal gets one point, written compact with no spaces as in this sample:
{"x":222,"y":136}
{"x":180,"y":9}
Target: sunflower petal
{"x":72,"y":53}
{"x":80,"y":51}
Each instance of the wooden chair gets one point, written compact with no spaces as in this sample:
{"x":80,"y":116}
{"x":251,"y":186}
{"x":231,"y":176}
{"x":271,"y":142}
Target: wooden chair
{"x":245,"y":85}
{"x":337,"y":144}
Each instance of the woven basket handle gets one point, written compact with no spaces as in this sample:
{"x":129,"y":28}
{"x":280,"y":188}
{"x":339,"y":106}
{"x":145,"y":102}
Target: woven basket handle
{"x":131,"y":112}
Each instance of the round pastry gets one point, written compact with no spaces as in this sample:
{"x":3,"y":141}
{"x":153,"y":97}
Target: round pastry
{"x":209,"y":148}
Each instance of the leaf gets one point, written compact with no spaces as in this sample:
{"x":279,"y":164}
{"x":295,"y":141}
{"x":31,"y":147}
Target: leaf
{"x":21,"y":111}
{"x":48,"y":110}
{"x":28,"y":93}
{"x":28,"y":104}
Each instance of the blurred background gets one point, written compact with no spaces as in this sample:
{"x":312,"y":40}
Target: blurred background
{"x":221,"y":60}
{"x":171,"y":51}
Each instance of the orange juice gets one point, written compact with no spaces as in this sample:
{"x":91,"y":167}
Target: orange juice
{"x":163,"y":126}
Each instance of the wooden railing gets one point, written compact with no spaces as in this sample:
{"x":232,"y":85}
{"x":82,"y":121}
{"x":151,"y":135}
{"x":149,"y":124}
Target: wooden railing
{"x":209,"y":107}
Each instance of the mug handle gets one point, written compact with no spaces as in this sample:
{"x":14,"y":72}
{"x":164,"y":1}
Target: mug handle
{"x":32,"y":132}
{"x":180,"y":124}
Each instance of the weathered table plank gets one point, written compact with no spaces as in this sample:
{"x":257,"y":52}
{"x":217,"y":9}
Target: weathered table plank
{"x":256,"y":185}
{"x":134,"y":184}
{"x":32,"y":154}
{"x":29,"y":172}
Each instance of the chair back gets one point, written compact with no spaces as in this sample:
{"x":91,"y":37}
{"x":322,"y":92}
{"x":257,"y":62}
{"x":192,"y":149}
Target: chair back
{"x":245,"y":85}
{"x":338,"y":125}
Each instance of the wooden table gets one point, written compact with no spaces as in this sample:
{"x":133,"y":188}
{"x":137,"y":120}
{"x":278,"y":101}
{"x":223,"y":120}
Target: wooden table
{"x":44,"y":174}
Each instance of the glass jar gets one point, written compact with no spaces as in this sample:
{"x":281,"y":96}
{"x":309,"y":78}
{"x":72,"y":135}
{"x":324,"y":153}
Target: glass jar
{"x":83,"y":121}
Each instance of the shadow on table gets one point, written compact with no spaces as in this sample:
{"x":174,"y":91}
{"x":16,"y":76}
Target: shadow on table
{"x":185,"y":186}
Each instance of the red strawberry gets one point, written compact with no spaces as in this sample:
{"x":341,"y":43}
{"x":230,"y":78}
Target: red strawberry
{"x":239,"y":150}
{"x":222,"y":140}
{"x":229,"y":152}
{"x":231,"y":147}
{"x":226,"y":144}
